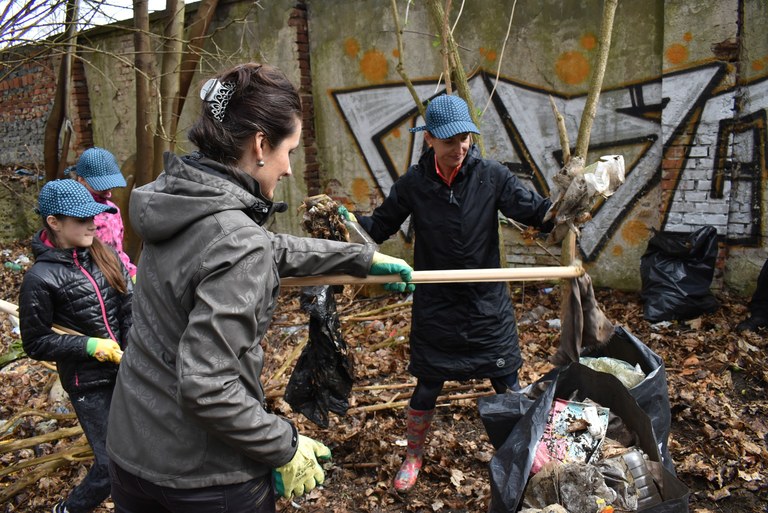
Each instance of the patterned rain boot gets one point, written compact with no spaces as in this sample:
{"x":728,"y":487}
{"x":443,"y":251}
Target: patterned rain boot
{"x":417,"y":427}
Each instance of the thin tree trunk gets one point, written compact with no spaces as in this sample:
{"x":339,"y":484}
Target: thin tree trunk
{"x":198,"y":31}
{"x":59,"y":111}
{"x":169,"y":82}
{"x":596,"y":82}
{"x":143,"y":173}
{"x":401,"y":57}
{"x":459,"y":75}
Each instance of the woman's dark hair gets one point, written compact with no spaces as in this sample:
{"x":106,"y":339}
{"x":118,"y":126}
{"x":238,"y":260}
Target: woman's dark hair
{"x":104,"y":258}
{"x":264,"y":100}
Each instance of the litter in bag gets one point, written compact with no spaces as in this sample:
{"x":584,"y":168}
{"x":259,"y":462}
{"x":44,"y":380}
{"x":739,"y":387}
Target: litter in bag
{"x":322,"y":379}
{"x":510,"y":467}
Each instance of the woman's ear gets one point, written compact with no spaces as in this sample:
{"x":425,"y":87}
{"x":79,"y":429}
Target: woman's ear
{"x":428,"y":137}
{"x":259,"y":142}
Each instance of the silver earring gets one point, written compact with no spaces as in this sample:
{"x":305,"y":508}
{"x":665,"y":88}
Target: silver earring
{"x":260,"y":163}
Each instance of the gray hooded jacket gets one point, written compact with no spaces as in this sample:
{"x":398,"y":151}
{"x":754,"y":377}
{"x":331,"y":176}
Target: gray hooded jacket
{"x":188,"y":408}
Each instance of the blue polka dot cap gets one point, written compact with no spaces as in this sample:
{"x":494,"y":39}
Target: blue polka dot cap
{"x":99,"y":168}
{"x":69,"y":198}
{"x":447,"y":116}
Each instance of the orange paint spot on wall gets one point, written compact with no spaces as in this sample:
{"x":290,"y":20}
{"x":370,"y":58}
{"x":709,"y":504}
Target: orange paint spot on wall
{"x":396,"y":53}
{"x":618,"y":251}
{"x":351,"y":47}
{"x":588,"y":41}
{"x":374,"y":66}
{"x":572,"y":68}
{"x":490,"y":55}
{"x":483,"y":51}
{"x":758,"y":65}
{"x":634,"y":232}
{"x":360,"y":189}
{"x":676,"y":54}
{"x":396,"y":133}
{"x":688,"y":37}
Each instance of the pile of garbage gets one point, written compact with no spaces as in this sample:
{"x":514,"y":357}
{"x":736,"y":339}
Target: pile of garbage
{"x":588,"y":437}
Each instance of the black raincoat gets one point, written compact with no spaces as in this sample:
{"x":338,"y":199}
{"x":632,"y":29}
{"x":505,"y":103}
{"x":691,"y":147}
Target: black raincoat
{"x":460,"y":330}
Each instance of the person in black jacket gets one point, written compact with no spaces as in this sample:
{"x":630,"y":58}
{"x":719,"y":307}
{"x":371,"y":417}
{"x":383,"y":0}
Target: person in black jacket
{"x":78,"y":283}
{"x":758,"y":307}
{"x":465,"y":330}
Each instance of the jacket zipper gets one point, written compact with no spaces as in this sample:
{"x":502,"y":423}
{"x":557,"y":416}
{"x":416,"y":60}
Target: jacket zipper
{"x":452,"y":199}
{"x":98,"y":294}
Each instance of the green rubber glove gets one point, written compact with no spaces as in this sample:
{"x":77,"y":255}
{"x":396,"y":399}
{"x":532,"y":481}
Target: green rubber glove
{"x":303,"y":472}
{"x":346,"y":214}
{"x":104,"y":350}
{"x":385,"y":264}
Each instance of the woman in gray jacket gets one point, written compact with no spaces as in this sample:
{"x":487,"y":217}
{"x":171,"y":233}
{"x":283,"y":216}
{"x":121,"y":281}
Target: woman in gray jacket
{"x":188,"y":428}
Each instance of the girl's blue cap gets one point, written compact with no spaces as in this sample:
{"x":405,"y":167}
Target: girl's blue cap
{"x":99,"y":168}
{"x":69,"y":198}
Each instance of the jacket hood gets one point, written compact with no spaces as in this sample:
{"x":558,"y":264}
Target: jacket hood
{"x":191,"y":188}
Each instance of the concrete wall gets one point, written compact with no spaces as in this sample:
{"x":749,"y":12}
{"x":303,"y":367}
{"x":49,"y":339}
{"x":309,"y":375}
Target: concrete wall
{"x":684,"y":100}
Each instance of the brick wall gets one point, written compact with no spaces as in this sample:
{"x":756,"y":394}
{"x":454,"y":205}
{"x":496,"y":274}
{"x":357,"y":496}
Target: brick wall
{"x":26,"y":96}
{"x":298,"y":20}
{"x":27,"y":92}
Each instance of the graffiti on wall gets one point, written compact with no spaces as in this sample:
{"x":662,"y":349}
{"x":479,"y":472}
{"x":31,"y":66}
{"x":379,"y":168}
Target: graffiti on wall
{"x":718,"y":182}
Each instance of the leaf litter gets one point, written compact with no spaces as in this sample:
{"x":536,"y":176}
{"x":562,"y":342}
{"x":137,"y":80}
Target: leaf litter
{"x":717,"y":388}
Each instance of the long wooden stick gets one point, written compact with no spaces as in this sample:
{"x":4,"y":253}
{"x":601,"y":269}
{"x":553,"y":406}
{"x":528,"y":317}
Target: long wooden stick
{"x":446,"y":276}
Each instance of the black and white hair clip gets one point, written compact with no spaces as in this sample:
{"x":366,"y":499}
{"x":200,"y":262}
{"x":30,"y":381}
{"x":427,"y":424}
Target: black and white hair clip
{"x":218,"y":94}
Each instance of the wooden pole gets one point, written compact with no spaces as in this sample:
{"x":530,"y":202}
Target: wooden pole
{"x":445,"y":276}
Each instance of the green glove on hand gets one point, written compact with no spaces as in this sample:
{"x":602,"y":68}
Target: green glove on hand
{"x":104,"y":350}
{"x":346,"y":214}
{"x":385,"y":264}
{"x":303,"y":472}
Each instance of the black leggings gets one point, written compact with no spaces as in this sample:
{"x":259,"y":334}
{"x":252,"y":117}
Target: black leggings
{"x":426,"y":392}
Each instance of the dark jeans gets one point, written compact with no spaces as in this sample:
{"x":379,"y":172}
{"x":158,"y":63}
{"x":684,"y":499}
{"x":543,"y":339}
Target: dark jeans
{"x":132,"y":494}
{"x":92,"y":409}
{"x":758,"y":307}
{"x":425,"y":395}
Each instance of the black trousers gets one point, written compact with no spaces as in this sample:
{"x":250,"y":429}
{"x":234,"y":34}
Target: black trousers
{"x":425,"y":394}
{"x":758,"y":307}
{"x":132,"y":494}
{"x":92,"y":409}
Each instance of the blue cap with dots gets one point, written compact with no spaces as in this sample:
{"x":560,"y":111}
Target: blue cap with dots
{"x":69,"y":198}
{"x":99,"y":168}
{"x":447,"y":116}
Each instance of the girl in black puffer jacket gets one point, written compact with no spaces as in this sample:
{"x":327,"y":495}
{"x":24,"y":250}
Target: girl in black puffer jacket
{"x":77,"y":283}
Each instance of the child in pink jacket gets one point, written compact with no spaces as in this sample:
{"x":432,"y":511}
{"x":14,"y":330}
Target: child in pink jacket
{"x":98,"y":171}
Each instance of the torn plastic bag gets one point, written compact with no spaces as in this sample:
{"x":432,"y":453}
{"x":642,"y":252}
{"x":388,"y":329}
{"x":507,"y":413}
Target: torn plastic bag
{"x":322,"y":379}
{"x":511,"y":465}
{"x":676,"y":272}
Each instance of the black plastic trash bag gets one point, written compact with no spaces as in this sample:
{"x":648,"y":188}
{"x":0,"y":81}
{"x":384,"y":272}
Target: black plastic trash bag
{"x":676,"y":272}
{"x":651,"y":394}
{"x":511,"y":465}
{"x":322,"y":379}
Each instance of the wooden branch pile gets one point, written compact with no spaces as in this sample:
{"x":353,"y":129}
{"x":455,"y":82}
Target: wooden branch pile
{"x":41,"y":465}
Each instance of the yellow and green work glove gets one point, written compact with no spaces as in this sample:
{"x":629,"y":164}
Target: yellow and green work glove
{"x":104,"y":350}
{"x":303,"y":472}
{"x":385,"y":264}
